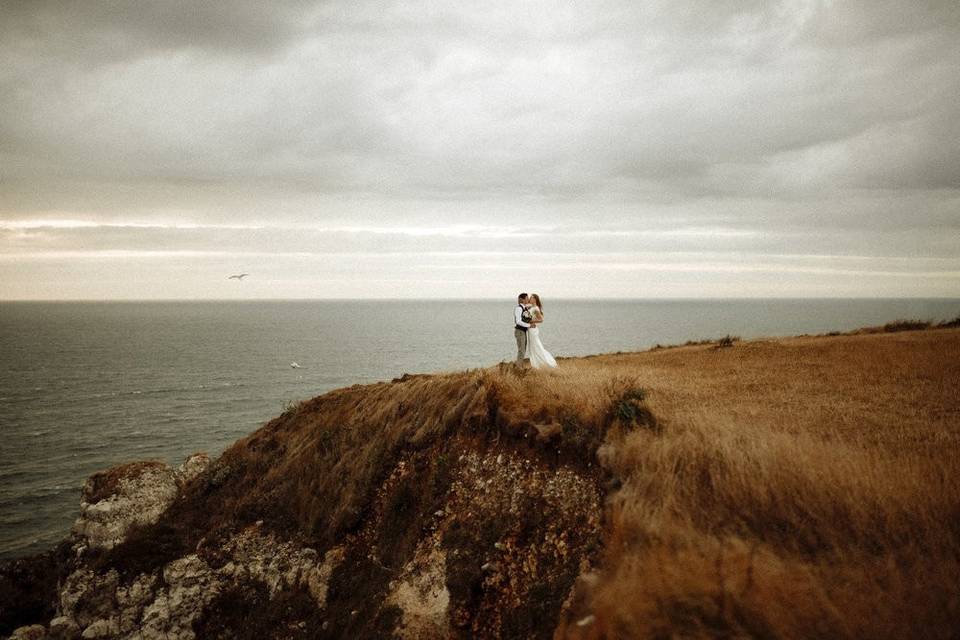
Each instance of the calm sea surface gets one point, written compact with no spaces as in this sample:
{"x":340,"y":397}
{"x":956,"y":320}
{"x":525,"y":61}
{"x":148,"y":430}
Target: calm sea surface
{"x":84,"y":386}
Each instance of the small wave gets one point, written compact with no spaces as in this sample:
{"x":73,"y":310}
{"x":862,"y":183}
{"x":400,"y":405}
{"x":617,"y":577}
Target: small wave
{"x":217,"y":386}
{"x":29,"y":497}
{"x":90,"y":446}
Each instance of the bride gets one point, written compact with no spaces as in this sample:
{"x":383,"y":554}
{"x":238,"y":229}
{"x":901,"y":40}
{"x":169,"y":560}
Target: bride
{"x":539,"y":357}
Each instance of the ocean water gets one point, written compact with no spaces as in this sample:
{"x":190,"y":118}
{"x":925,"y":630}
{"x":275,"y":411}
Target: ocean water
{"x":84,"y":386}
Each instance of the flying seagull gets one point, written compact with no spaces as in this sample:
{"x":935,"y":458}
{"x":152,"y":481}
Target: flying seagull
{"x":238,"y":276}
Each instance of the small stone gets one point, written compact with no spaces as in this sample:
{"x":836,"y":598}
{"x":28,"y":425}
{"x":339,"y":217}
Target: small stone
{"x":500,"y":459}
{"x":354,"y":612}
{"x":582,"y":622}
{"x":489,"y":566}
{"x":499,"y":546}
{"x":438,"y":513}
{"x":31,"y":632}
{"x":63,"y":628}
{"x":325,"y":625}
{"x":193,"y":466}
{"x":102,"y":628}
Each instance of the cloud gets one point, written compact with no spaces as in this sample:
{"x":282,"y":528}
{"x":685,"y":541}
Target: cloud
{"x":104,"y":32}
{"x":826,"y":126}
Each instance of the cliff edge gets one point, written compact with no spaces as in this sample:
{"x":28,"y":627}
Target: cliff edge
{"x":792,"y":487}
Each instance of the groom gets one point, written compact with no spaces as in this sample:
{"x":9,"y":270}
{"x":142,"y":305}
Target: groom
{"x":521,"y":320}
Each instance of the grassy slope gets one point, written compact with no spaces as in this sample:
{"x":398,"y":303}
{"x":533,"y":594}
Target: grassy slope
{"x":804,"y":487}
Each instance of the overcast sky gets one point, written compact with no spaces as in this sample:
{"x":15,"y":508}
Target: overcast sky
{"x":580,"y":149}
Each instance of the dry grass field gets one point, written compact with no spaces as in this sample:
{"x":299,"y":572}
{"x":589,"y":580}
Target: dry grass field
{"x":797,"y":488}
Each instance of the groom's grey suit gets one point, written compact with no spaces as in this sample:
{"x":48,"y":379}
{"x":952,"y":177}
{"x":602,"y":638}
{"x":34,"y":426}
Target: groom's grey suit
{"x":520,"y":332}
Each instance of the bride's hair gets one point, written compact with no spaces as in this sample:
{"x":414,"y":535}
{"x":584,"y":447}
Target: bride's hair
{"x":537,"y":298}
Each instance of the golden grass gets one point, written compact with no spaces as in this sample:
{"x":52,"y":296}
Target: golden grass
{"x":800,"y":488}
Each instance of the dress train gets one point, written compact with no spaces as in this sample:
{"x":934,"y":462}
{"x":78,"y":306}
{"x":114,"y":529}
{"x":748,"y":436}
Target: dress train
{"x":539,"y":356}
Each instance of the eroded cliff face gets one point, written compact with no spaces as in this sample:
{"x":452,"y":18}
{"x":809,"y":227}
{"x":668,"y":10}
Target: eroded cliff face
{"x":495,"y":552}
{"x":459,"y":515}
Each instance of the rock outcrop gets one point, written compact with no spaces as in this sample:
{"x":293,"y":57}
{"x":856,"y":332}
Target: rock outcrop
{"x":137,"y":493}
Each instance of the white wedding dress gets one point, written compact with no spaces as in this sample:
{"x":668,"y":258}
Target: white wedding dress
{"x":539,"y":357}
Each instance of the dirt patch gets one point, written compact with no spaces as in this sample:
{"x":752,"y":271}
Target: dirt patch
{"x":517,"y":535}
{"x":247,"y":611}
{"x":355,"y":596}
{"x":415,"y":491}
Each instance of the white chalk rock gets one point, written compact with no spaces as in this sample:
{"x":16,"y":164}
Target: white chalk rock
{"x":103,"y":628}
{"x":63,"y":628}
{"x":31,"y":632}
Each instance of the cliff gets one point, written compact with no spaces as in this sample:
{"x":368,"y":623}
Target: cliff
{"x":804,"y":487}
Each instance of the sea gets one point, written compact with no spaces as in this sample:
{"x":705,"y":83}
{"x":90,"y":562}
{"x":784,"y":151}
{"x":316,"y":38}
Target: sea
{"x":88,"y":385}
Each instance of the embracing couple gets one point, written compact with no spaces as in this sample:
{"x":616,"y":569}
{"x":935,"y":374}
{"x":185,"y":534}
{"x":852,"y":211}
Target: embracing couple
{"x":527,"y":316}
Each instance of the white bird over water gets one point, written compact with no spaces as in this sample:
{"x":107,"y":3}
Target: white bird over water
{"x":239,"y":276}
{"x":294,"y":365}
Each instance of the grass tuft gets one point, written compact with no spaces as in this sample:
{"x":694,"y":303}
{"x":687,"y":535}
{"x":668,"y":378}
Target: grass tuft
{"x":630,"y":411}
{"x":906,"y":325}
{"x":950,"y":324}
{"x":727,"y":341}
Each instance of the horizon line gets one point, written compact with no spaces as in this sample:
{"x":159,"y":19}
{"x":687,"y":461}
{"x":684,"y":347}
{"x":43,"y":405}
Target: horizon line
{"x":473,"y":299}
